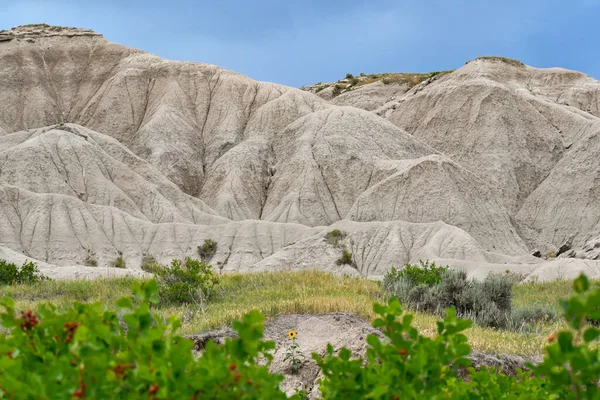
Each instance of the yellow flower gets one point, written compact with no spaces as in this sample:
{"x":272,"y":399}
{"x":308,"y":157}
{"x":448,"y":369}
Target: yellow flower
{"x":292,"y":334}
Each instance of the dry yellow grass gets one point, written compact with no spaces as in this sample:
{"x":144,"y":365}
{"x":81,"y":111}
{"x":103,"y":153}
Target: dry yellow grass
{"x":304,"y":292}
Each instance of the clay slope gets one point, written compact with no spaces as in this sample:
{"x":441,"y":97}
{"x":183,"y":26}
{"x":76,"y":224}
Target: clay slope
{"x":526,"y":132}
{"x":529,"y":133}
{"x":108,"y":149}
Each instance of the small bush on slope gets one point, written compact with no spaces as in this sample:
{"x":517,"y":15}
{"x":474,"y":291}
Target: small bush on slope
{"x":335,"y":236}
{"x":90,"y":258}
{"x":345,"y":259}
{"x":119,"y":262}
{"x":149,"y":263}
{"x":189,"y":282}
{"x":10,"y":274}
{"x":207,"y":250}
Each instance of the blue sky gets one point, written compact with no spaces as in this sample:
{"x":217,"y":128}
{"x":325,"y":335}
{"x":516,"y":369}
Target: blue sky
{"x":303,"y":42}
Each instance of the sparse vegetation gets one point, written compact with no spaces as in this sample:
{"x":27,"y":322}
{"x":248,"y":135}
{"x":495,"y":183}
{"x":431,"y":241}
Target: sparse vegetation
{"x":119,"y":262}
{"x":335,"y":236}
{"x":337,"y":89}
{"x":207,"y":250}
{"x":27,"y":274}
{"x":90,"y":258}
{"x":510,"y":61}
{"x":149,"y":263}
{"x":354,"y":82}
{"x":345,"y":259}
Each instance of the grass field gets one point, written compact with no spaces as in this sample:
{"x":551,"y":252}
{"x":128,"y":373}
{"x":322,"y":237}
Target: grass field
{"x":297,"y":292}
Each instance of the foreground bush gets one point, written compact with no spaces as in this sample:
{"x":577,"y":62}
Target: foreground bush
{"x":84,"y":352}
{"x":189,"y":282}
{"x":11,"y":274}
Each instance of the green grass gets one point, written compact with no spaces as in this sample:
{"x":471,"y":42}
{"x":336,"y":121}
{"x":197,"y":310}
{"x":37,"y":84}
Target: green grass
{"x":306,"y":292}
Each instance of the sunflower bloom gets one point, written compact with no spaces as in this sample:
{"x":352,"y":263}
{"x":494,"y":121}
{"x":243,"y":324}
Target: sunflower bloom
{"x":292,"y":334}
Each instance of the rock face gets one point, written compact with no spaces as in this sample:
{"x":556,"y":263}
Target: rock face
{"x":109,"y":149}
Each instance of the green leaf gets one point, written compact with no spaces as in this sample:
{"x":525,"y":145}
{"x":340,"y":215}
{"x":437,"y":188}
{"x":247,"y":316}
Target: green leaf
{"x":581,"y":284}
{"x":565,"y":340}
{"x":591,"y":334}
{"x":125,"y":302}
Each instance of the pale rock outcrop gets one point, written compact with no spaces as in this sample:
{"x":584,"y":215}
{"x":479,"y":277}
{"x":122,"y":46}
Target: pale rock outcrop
{"x":109,"y":149}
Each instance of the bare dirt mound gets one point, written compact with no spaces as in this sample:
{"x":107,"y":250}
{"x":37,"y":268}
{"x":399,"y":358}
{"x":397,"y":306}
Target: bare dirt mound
{"x":108,"y":149}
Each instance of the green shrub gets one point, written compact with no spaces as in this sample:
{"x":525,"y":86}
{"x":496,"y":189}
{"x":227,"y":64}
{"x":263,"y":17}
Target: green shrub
{"x":90,"y":258}
{"x":363,"y":74}
{"x":345,"y":259}
{"x":523,"y":319}
{"x":335,"y":237}
{"x":188,"y":282}
{"x":207,"y":250}
{"x":425,"y":272}
{"x":11,"y":274}
{"x":355,"y":81}
{"x":119,"y":262}
{"x":432,"y":289}
{"x":349,"y":76}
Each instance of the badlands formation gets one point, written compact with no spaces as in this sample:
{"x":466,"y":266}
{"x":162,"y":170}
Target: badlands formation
{"x":109,"y":149}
